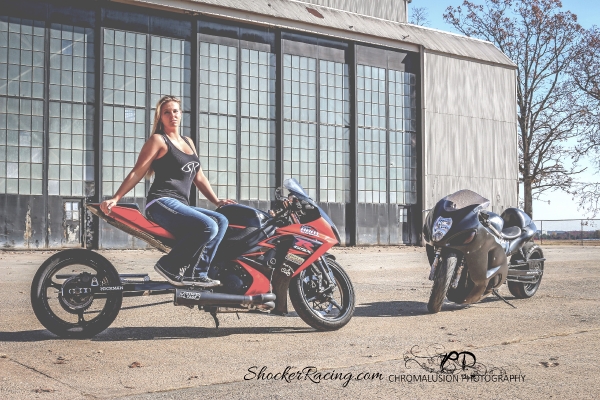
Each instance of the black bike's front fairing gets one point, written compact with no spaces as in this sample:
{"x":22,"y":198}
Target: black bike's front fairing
{"x":485,"y":257}
{"x":297,"y":190}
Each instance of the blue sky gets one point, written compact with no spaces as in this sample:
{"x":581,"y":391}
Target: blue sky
{"x":555,"y":205}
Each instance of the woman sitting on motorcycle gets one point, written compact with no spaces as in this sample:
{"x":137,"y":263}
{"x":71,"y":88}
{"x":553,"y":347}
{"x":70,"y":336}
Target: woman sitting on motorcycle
{"x":173,"y":160}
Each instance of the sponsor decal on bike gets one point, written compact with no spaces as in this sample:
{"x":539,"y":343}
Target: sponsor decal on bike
{"x":80,"y":291}
{"x":294,"y":258}
{"x":309,"y":230}
{"x":287,"y":270}
{"x":307,"y":244}
{"x":184,"y":294}
{"x":302,"y":249}
{"x":111,"y":288}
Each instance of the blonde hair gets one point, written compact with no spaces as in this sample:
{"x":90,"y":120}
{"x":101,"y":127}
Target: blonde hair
{"x":157,"y":125}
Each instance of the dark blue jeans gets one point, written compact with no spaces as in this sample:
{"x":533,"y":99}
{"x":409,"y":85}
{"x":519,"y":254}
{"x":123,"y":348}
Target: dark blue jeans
{"x":198,"y":233}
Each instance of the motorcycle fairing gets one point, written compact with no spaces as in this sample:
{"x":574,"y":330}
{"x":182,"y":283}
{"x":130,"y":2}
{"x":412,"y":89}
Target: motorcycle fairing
{"x":320,"y":243}
{"x":260,"y":283}
{"x":465,"y":218}
{"x":132,"y":221}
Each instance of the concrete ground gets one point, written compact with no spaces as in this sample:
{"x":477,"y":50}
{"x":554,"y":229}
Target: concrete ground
{"x":548,"y":344}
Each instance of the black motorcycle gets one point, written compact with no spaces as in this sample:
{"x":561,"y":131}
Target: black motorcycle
{"x":469,"y":248}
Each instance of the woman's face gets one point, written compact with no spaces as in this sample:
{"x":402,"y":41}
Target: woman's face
{"x":170,"y":115}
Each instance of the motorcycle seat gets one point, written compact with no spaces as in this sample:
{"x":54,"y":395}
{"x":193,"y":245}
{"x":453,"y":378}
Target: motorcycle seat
{"x":510,"y":233}
{"x":133,"y":206}
{"x":132,"y":217}
{"x":515,"y":217}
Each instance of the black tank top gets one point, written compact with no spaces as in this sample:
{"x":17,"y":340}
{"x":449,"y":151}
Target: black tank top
{"x":173,"y":174}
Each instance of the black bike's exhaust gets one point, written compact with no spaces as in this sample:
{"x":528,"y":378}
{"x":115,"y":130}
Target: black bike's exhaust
{"x":191,"y":297}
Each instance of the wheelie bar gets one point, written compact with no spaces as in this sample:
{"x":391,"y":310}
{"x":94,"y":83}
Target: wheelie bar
{"x":191,"y":297}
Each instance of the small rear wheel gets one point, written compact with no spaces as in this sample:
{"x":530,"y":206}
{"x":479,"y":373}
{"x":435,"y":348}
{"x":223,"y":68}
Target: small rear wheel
{"x":443,"y":275}
{"x":67,"y":296}
{"x":527,"y":290}
{"x":325,"y":309}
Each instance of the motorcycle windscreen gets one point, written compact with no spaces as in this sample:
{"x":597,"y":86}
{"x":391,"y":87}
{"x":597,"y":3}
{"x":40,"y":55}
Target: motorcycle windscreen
{"x":464,"y":198}
{"x":294,"y":186}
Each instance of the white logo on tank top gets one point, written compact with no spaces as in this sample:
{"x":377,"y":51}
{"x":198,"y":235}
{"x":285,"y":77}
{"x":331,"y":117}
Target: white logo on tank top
{"x":190,"y":167}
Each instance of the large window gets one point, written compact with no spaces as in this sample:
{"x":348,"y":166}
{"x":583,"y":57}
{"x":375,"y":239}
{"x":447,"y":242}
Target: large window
{"x":21,"y":105}
{"x":372,"y":152}
{"x":124,"y":113}
{"x":218,"y":111}
{"x":386,"y":115}
{"x":237,"y":141}
{"x":257,"y":167}
{"x":171,"y":74}
{"x":403,"y":125}
{"x":334,"y":132}
{"x":71,"y":109}
{"x":300,"y":120}
{"x":316,"y":120}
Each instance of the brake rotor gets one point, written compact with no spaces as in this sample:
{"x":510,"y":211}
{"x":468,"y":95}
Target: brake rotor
{"x":76,"y":293}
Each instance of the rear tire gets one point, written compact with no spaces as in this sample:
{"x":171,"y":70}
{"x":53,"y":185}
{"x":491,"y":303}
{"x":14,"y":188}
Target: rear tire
{"x":76,"y":316}
{"x":443,"y":275}
{"x":324,"y":313}
{"x":527,"y":290}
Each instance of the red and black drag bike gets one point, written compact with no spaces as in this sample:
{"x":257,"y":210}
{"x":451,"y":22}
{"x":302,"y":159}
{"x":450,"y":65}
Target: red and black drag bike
{"x":77,"y":293}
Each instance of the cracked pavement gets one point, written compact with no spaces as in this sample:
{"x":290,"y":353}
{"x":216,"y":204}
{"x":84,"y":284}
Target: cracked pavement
{"x":154,"y":350}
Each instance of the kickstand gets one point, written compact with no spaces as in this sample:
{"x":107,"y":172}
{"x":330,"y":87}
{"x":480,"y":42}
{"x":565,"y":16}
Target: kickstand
{"x":238,"y":315}
{"x":214,"y":315}
{"x":502,"y":298}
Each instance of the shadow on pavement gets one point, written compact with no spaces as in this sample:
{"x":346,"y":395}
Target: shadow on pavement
{"x":399,"y":308}
{"x":152,"y":333}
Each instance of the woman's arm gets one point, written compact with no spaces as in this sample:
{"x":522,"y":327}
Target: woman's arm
{"x":149,"y":153}
{"x":202,"y":183}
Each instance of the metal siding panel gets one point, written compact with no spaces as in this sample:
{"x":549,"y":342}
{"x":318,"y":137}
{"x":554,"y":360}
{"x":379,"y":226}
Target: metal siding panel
{"x":469,"y":128}
{"x":463,"y":87}
{"x":384,"y":224}
{"x":385,"y":9}
{"x":366,"y":225}
{"x":22,"y":225}
{"x":55,"y":221}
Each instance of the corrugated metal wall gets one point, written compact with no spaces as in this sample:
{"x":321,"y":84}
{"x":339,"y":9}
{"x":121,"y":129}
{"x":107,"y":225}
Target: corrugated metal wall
{"x":392,"y":10}
{"x":469,"y":118}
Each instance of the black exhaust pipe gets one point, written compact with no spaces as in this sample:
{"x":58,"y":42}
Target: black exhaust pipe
{"x":191,"y":297}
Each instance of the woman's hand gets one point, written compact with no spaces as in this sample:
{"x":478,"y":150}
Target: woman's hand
{"x":106,"y":205}
{"x":224,"y":202}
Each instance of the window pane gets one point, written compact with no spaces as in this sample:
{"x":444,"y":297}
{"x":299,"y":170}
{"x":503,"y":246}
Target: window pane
{"x":217,"y":138}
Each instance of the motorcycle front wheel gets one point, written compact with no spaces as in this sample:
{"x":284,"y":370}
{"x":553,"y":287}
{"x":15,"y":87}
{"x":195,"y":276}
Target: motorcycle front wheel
{"x":324,"y":310}
{"x":62,"y":294}
{"x":441,"y":282}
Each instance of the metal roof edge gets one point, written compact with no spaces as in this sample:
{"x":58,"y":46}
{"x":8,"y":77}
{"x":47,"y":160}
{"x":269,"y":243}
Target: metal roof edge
{"x":511,"y":66}
{"x":251,"y":16}
{"x":269,"y":20}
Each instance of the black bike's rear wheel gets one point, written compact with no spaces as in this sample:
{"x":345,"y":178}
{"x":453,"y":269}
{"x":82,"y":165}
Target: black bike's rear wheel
{"x":527,"y":290}
{"x":62,"y":298}
{"x":443,"y":275}
{"x":328,"y":310}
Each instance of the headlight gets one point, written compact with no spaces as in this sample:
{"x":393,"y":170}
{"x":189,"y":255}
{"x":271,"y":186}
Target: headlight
{"x":441,"y":226}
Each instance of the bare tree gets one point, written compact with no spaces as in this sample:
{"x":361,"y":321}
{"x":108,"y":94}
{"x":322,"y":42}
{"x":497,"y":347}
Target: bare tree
{"x":541,"y":40}
{"x":419,"y":15}
{"x":585,"y":75}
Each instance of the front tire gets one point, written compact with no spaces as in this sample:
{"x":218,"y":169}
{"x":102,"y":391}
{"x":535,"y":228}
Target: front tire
{"x":443,"y":275}
{"x":527,"y":290}
{"x":327,"y":311}
{"x":58,"y":301}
